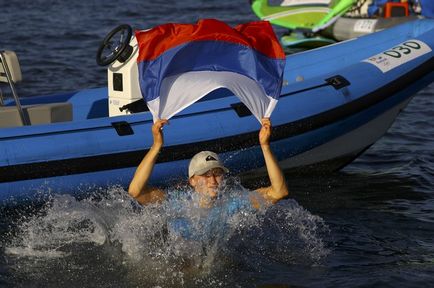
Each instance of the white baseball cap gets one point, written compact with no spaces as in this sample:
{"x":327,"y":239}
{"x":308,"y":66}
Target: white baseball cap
{"x":204,"y":161}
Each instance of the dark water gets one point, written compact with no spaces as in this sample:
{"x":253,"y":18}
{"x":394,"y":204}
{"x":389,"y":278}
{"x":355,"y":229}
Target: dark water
{"x":370,"y":225}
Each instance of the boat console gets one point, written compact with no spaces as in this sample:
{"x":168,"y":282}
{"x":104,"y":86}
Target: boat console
{"x":123,"y":84}
{"x":119,"y":50}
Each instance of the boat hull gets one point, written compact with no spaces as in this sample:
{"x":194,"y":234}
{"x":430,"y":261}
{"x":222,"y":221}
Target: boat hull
{"x":318,"y":124}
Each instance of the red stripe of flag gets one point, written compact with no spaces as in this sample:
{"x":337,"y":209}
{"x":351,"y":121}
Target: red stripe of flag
{"x":258,"y":35}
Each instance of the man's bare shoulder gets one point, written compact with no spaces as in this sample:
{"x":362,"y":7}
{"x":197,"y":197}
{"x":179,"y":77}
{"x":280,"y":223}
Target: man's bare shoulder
{"x":151,"y":195}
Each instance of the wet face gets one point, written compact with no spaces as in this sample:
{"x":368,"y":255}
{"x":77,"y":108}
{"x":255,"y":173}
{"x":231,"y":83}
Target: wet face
{"x":208,"y":184}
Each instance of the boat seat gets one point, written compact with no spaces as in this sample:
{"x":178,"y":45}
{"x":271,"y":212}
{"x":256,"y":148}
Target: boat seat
{"x":37,"y":114}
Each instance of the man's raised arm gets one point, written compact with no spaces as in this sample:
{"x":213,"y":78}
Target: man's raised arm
{"x":278,"y":189}
{"x":138,"y":188}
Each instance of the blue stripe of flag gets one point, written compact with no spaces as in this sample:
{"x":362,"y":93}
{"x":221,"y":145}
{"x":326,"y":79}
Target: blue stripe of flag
{"x":211,"y":56}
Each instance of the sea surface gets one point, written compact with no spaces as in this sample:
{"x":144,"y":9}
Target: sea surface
{"x":369,"y":225}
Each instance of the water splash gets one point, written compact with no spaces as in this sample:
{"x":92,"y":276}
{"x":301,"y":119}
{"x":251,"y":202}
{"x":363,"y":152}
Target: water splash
{"x":171,"y":243}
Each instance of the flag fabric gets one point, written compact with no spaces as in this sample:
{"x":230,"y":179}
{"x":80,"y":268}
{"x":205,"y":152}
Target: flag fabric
{"x":181,"y":63}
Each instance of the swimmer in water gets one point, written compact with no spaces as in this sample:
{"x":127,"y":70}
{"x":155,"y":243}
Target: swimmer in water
{"x":206,"y":173}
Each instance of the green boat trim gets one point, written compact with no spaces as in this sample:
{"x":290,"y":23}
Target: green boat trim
{"x":302,"y":14}
{"x":298,"y":40}
{"x":297,"y":10}
{"x":338,"y":9}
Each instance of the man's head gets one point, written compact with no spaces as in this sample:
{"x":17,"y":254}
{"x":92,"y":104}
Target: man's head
{"x":206,"y":173}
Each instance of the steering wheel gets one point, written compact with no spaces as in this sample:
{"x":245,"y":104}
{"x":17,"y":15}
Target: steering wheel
{"x":115,"y":46}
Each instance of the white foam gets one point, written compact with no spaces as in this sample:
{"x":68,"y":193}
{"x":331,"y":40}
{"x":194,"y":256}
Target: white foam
{"x":149,"y":246}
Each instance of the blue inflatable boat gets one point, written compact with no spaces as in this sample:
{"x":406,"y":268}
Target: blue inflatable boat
{"x":336,"y":102}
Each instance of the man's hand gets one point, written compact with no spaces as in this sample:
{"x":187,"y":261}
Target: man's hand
{"x":157,"y":132}
{"x":265,"y":132}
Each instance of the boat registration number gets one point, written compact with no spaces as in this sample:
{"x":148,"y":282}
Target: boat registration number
{"x":365,"y":25}
{"x":399,"y":55}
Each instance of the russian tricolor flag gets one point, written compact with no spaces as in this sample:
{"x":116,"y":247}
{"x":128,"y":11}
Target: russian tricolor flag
{"x":181,"y":63}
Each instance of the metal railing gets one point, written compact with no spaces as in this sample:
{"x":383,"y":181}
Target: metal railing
{"x":2,"y":102}
{"x":7,"y":73}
